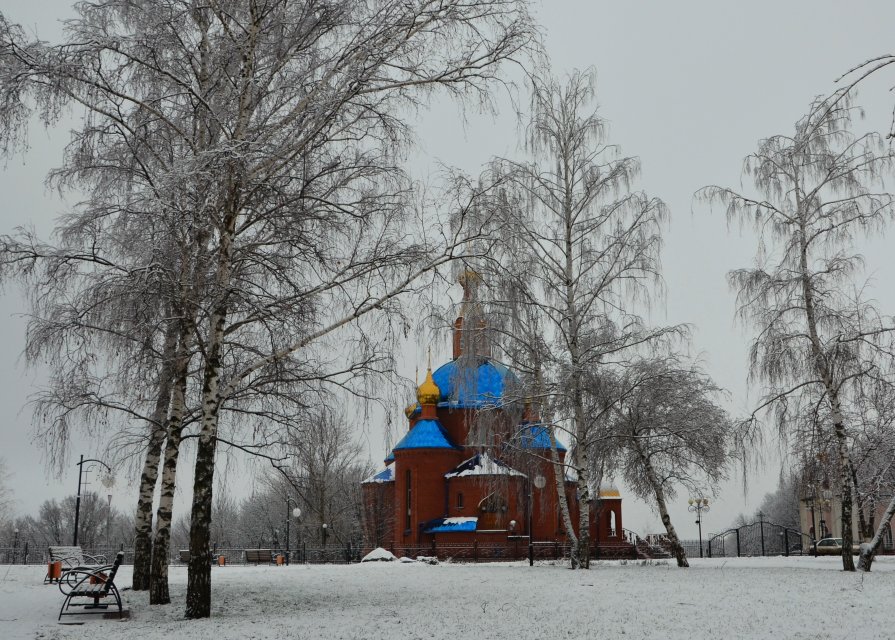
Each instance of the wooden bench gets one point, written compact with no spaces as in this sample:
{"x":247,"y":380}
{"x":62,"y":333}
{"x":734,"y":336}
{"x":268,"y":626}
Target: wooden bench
{"x":93,"y":585}
{"x":72,"y":558}
{"x":259,"y":555}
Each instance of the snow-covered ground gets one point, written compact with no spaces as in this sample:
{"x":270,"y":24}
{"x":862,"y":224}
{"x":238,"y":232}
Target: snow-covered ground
{"x":719,"y":598}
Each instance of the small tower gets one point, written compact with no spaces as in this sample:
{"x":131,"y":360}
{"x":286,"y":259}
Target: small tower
{"x":422,"y":457}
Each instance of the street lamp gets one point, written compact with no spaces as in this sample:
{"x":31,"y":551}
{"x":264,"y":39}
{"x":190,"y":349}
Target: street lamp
{"x":697,"y":506}
{"x":324,"y":527}
{"x":91,"y":464}
{"x":512,"y":528}
{"x":296,"y":513}
{"x":15,"y":545}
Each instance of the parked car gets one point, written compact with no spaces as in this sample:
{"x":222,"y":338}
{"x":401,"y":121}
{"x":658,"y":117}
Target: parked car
{"x":833,"y":547}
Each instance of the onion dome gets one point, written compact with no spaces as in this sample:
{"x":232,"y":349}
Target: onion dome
{"x":469,"y":383}
{"x":535,"y":436}
{"x":428,"y":392}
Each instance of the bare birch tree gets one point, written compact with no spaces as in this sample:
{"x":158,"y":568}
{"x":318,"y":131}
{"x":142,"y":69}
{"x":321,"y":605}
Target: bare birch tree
{"x":817,"y":190}
{"x":281,"y":119}
{"x":666,"y":432}
{"x":581,"y":247}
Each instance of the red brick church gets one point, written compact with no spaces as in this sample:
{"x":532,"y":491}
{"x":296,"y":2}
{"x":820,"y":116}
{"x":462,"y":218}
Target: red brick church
{"x":473,"y":475}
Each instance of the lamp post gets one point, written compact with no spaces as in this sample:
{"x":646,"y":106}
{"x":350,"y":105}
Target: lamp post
{"x":697,"y":506}
{"x":296,"y":513}
{"x":15,"y":545}
{"x":91,"y":463}
{"x":810,"y":502}
{"x":109,"y":521}
{"x":826,"y":501}
{"x":512,"y":527}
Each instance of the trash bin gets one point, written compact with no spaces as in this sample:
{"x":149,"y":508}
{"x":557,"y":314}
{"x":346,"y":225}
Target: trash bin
{"x":222,"y":560}
{"x":281,"y":559}
{"x":54,"y":570}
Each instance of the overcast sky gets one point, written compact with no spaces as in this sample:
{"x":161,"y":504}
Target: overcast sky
{"x":689,"y":87}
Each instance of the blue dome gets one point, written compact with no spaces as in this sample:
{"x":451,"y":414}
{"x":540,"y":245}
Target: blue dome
{"x":535,"y":436}
{"x":426,"y":434}
{"x":473,"y":387}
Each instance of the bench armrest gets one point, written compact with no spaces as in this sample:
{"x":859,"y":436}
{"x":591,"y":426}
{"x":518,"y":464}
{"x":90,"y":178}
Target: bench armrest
{"x":71,"y":580}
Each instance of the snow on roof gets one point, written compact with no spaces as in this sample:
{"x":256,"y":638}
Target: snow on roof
{"x":379,"y":554}
{"x":448,"y":525}
{"x":386,"y":475}
{"x":481,"y":464}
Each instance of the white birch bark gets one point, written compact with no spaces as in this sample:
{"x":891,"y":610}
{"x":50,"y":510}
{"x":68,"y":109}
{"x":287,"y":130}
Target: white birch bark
{"x":149,"y":477}
{"x":868,"y":550}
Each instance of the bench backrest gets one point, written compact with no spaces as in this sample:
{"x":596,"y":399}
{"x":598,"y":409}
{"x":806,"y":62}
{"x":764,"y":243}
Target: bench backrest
{"x":110,"y":579}
{"x":71,"y":555}
{"x":259,"y":555}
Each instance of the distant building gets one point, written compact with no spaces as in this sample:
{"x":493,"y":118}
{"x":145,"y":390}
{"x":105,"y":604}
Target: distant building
{"x":444,"y":494}
{"x":819,"y":509}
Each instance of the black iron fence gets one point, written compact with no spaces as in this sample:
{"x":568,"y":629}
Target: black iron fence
{"x":331,"y":554}
{"x":761,"y":538}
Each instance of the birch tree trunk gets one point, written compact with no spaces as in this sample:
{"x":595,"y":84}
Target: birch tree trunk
{"x":198,"y":596}
{"x":572,"y":316}
{"x":676,"y":548}
{"x":560,"y":480}
{"x":868,"y":551}
{"x":832,"y":393}
{"x":149,"y":477}
{"x":158,"y":583}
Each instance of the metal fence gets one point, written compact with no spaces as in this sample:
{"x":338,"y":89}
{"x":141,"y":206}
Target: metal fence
{"x":27,"y":554}
{"x":760,"y":538}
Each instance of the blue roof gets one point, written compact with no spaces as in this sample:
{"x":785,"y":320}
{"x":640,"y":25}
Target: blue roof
{"x":390,"y":457}
{"x":535,"y":436}
{"x":450,"y":525}
{"x":386,"y":475}
{"x":426,"y":434}
{"x":473,"y":387}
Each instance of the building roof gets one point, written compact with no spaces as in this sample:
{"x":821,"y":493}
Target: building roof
{"x":481,"y":464}
{"x":535,"y":436}
{"x":386,"y":475}
{"x":428,"y":392}
{"x":451,"y":525}
{"x":609,"y":491}
{"x":425,"y":434}
{"x":390,"y":457}
{"x":467,"y":386}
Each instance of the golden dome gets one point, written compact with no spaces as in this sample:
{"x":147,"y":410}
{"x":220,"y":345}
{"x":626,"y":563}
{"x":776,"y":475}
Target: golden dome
{"x":428,"y":392}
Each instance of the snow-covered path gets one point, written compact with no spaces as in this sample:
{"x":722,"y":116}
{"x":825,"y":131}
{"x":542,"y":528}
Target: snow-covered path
{"x":719,"y":598}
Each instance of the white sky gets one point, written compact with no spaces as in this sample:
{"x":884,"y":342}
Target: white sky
{"x":689,"y":87}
